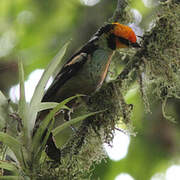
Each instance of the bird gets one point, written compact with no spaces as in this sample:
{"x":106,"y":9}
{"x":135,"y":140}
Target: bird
{"x":86,"y":70}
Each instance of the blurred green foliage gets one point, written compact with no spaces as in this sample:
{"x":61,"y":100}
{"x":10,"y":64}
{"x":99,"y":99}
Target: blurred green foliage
{"x":34,"y":30}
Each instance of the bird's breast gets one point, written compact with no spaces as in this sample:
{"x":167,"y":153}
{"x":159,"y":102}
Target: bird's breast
{"x":98,"y":66}
{"x":90,"y":77}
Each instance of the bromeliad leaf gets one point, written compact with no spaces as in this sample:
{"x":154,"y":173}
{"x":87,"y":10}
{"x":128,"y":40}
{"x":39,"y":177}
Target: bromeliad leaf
{"x":13,"y":144}
{"x":38,"y":153}
{"x":3,"y":110}
{"x":5,"y":115}
{"x":22,"y":104}
{"x":22,"y":100}
{"x":11,"y":178}
{"x":72,"y":121}
{"x":9,"y":166}
{"x":46,"y":123}
{"x":49,"y":105}
{"x":39,"y":91}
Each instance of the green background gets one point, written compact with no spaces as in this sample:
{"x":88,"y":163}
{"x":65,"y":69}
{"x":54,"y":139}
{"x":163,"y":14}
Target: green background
{"x":34,"y":30}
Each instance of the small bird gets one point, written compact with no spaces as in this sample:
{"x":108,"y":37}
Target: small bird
{"x":85,"y":72}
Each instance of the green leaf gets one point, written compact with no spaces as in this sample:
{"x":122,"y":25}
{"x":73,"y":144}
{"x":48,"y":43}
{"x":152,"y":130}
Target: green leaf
{"x":3,"y":110}
{"x":72,"y":121}
{"x":22,"y":100}
{"x":39,"y":91}
{"x":9,"y":166}
{"x":39,"y":151}
{"x":49,"y":105}
{"x":9,"y":178}
{"x":13,"y":144}
{"x":22,"y":107}
{"x":46,"y":123}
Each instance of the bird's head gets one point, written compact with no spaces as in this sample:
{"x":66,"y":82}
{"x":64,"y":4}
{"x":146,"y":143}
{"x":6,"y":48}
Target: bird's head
{"x":119,"y":36}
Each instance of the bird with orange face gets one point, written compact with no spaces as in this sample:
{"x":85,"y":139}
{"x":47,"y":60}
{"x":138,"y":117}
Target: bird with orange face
{"x":85,"y":72}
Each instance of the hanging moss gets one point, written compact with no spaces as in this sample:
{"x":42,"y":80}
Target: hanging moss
{"x":161,"y":58}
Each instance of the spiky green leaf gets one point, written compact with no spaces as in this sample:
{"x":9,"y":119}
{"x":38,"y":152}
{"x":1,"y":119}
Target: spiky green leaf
{"x":22,"y":107}
{"x":49,"y":105}
{"x":13,"y":144}
{"x":9,"y":178}
{"x":39,"y":91}
{"x":9,"y":166}
{"x":72,"y":121}
{"x":46,"y":123}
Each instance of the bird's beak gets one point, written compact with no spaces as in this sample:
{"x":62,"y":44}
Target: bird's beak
{"x":135,"y":45}
{"x":127,"y":43}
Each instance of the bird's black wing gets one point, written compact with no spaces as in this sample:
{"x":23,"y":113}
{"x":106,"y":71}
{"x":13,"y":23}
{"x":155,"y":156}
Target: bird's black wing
{"x":73,"y":65}
{"x":69,"y":70}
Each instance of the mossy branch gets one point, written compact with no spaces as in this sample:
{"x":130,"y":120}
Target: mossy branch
{"x":158,"y":54}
